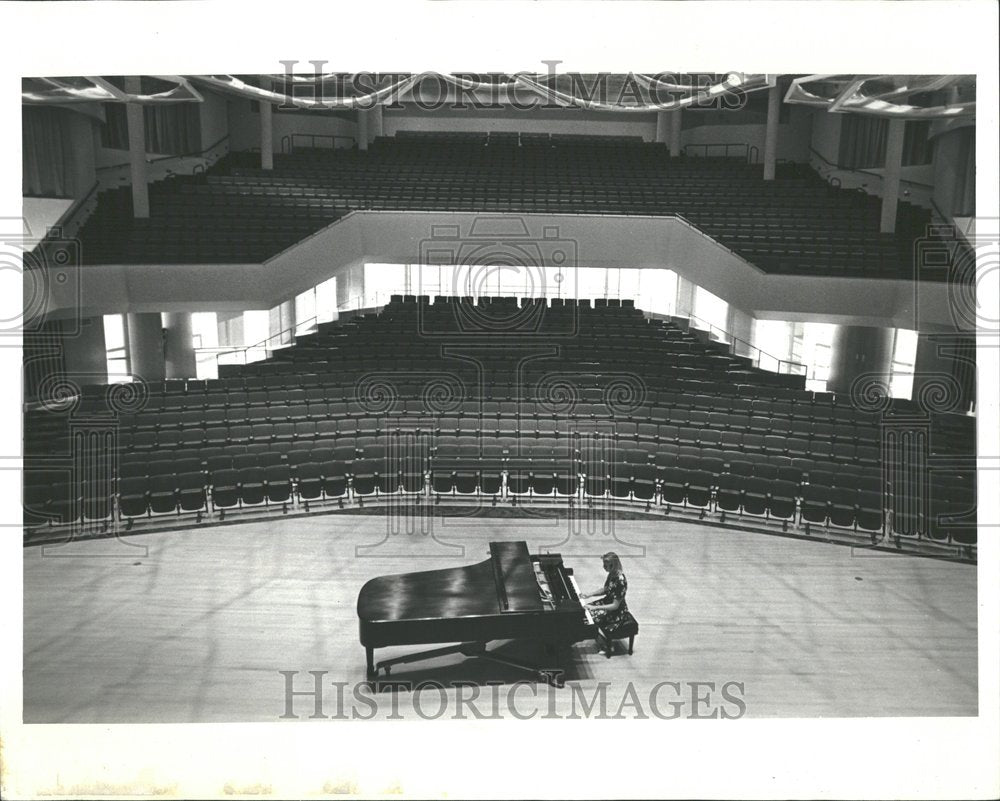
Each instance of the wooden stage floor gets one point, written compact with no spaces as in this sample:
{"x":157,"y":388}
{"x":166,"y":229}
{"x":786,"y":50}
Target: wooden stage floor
{"x":196,"y":625}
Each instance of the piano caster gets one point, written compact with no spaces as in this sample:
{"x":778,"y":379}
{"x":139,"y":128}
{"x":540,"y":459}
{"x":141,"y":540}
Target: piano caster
{"x":554,"y":678}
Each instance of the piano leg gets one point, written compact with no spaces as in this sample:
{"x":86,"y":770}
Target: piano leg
{"x":471,"y":649}
{"x":549,"y":675}
{"x":370,"y":656}
{"x":400,"y":660}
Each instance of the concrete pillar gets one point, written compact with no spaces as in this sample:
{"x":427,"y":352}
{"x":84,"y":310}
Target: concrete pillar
{"x":951,"y":154}
{"x":230,"y":326}
{"x":85,"y":354}
{"x":145,"y":346}
{"x":675,"y":132}
{"x":280,"y":323}
{"x":893,"y":167}
{"x":137,"y":150}
{"x":363,"y":127}
{"x":740,"y":326}
{"x":378,"y":123}
{"x":266,"y":137}
{"x":178,"y":351}
{"x":945,"y":370}
{"x":771,"y":131}
{"x":350,"y":285}
{"x":662,"y":126}
{"x":859,"y":350}
{"x":684,"y":306}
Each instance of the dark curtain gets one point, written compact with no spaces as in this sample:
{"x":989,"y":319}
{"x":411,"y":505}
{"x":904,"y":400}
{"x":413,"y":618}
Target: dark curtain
{"x":47,"y":153}
{"x":965,"y":188}
{"x":114,"y":132}
{"x":917,"y":146}
{"x":172,"y":130}
{"x":863,"y":142}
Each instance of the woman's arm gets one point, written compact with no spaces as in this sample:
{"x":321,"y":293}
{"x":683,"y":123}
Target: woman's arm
{"x":609,"y":607}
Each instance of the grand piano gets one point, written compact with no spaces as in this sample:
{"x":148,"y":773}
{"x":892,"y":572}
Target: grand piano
{"x":513,"y":595}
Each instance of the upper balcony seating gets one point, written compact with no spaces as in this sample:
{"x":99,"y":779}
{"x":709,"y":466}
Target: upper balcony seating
{"x":238,"y":212}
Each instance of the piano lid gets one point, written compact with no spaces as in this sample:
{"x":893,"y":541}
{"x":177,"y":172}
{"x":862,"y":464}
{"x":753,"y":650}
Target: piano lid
{"x":517,"y":588}
{"x":471,"y":591}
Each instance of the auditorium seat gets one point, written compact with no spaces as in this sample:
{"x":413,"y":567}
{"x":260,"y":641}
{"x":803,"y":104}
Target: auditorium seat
{"x":191,"y":494}
{"x":704,"y":425}
{"x":729,"y":493}
{"x":133,"y":496}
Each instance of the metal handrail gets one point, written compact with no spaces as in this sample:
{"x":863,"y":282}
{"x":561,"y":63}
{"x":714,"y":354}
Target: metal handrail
{"x":288,"y":140}
{"x":62,"y":224}
{"x":864,"y":171}
{"x":158,"y":159}
{"x":706,"y":146}
{"x":733,"y":339}
{"x":291,"y":331}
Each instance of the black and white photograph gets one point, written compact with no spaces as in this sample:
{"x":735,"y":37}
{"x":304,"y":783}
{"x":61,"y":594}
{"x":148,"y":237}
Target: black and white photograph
{"x":573,"y":417}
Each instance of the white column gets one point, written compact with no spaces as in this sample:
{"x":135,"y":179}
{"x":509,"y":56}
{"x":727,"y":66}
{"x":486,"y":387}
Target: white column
{"x":893,"y":166}
{"x":684,"y":304}
{"x":771,"y":131}
{"x":378,"y":124}
{"x":662,"y":126}
{"x":179,"y":358}
{"x":362,"y":129}
{"x":675,"y":132}
{"x":137,"y":150}
{"x":266,"y":132}
{"x":145,"y":345}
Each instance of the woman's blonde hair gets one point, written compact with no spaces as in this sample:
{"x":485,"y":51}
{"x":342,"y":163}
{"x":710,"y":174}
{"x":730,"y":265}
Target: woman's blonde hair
{"x":616,"y":563}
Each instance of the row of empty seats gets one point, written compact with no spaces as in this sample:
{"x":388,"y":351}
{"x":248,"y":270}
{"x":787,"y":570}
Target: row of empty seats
{"x":259,"y":436}
{"x":237,"y":212}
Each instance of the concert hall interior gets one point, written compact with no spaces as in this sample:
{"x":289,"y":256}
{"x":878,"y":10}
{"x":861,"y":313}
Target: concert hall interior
{"x":329,"y":375}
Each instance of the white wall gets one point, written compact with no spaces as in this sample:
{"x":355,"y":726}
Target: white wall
{"x":530,"y":121}
{"x":916,"y":182}
{"x":825,"y":134}
{"x":793,"y":136}
{"x":589,"y":241}
{"x":244,"y":126}
{"x":214,"y":117}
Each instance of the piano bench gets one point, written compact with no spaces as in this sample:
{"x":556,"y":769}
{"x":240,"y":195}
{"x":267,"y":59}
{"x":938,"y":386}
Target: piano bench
{"x":630,"y":628}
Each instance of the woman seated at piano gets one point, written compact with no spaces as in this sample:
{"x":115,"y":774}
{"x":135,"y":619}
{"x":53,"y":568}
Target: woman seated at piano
{"x":607,"y":605}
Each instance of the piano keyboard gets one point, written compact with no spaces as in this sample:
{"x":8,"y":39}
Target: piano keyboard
{"x":576,"y":589}
{"x":543,"y":585}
